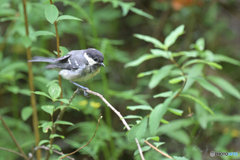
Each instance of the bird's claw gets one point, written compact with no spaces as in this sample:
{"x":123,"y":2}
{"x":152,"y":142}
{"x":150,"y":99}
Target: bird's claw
{"x":84,"y":91}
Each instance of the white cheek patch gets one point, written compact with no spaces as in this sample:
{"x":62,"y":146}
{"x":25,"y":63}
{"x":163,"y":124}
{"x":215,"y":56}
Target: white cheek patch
{"x":90,"y":60}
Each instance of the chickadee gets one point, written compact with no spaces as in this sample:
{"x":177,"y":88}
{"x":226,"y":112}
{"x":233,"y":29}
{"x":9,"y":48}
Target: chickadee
{"x":76,"y":66}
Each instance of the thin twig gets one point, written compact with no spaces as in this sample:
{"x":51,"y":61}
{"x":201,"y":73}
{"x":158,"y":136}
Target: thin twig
{"x":30,"y":80}
{"x":166,"y":155}
{"x":9,"y":150}
{"x":87,"y":142}
{"x":119,"y":115}
{"x":13,"y":138}
{"x":55,"y":151}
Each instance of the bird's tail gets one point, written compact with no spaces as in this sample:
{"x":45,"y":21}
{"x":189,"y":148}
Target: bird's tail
{"x":42,"y":59}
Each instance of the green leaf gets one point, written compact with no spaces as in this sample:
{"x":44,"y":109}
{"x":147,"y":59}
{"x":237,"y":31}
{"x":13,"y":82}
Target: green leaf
{"x":125,"y":7}
{"x":163,"y":94}
{"x":60,"y":107}
{"x":157,"y":114}
{"x":176,"y":80}
{"x":223,"y":58}
{"x":64,"y":50}
{"x":64,"y":123}
{"x":186,"y":53}
{"x":26,"y":113}
{"x":48,"y":108}
{"x":55,"y":146}
{"x":198,"y":101}
{"x":155,"y":138}
{"x":26,"y":41}
{"x":175,"y":125}
{"x":132,"y":117}
{"x":141,"y":107}
{"x":201,"y":114}
{"x":208,"y":86}
{"x":138,"y":130}
{"x":172,"y":37}
{"x":56,"y":135}
{"x":200,"y":44}
{"x":66,"y":101}
{"x":143,"y":74}
{"x":195,"y":71}
{"x":152,"y":40}
{"x":161,"y":53}
{"x":180,"y":136}
{"x":139,"y":60}
{"x":141,"y":13}
{"x":68,"y":17}
{"x":144,"y":149}
{"x":42,"y":33}
{"x":42,"y":94}
{"x":43,"y":142}
{"x":46,"y":126}
{"x":51,"y":82}
{"x":164,"y":121}
{"x":54,"y":91}
{"x":202,"y":61}
{"x":157,"y":144}
{"x":157,"y":77}
{"x":225,"y":85}
{"x":176,"y":111}
{"x":51,"y":13}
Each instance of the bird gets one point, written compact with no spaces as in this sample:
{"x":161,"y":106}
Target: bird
{"x":76,"y":65}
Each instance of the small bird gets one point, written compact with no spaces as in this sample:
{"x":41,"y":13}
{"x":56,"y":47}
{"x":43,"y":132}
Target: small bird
{"x":76,"y":66}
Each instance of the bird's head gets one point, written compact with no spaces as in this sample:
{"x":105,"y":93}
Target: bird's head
{"x":94,"y":57}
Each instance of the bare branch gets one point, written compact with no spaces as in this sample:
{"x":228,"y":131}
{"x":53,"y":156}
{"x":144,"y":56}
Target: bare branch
{"x":87,"y":142}
{"x":120,"y":116}
{"x":55,"y":151}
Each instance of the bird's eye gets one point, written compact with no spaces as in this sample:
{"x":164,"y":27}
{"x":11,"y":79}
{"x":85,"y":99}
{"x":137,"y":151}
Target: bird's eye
{"x":95,"y":59}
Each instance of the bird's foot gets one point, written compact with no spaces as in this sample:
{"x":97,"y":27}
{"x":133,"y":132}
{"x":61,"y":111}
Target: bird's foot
{"x":81,"y":88}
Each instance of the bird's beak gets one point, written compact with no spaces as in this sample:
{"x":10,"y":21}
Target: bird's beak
{"x":101,"y":64}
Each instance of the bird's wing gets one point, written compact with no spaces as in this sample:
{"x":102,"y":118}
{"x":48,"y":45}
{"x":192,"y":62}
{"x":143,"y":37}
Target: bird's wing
{"x":72,"y":61}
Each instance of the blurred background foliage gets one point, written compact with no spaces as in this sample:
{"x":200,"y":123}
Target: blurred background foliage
{"x":109,"y":27}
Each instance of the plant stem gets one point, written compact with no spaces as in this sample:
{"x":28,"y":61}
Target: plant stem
{"x":30,"y":79}
{"x":9,"y":150}
{"x":13,"y":138}
{"x":59,"y":79}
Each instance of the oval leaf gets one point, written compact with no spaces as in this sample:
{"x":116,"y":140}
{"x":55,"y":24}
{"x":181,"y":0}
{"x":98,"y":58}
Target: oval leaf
{"x":176,"y":111}
{"x":26,"y":113}
{"x":51,"y":13}
{"x":54,"y":91}
{"x":48,"y":108}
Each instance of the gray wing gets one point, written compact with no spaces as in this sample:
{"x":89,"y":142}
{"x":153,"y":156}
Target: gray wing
{"x":73,"y":60}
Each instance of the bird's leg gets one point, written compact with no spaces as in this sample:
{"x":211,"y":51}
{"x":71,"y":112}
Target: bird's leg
{"x":81,"y":87}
